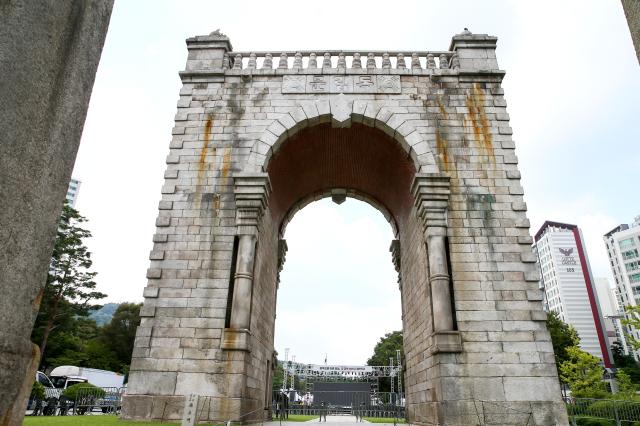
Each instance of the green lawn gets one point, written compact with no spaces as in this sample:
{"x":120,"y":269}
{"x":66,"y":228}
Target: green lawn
{"x":86,"y":420}
{"x":298,"y":418}
{"x":383,"y":420}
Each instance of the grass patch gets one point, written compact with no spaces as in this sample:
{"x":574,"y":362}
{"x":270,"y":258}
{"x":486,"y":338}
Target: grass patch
{"x":383,"y":420}
{"x":86,"y":420}
{"x":297,"y":418}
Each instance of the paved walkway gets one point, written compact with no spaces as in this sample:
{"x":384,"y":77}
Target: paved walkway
{"x":334,"y":420}
{"x":337,"y":419}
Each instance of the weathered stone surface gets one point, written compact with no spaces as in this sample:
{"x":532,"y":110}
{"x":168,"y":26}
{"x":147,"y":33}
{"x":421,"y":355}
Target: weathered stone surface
{"x":440,"y":165}
{"x":50,"y":53}
{"x":632,"y":12}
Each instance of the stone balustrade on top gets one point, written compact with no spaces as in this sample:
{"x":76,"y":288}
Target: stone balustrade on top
{"x":342,"y":61}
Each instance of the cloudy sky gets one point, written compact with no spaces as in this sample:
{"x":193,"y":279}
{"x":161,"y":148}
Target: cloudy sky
{"x":572,"y":84}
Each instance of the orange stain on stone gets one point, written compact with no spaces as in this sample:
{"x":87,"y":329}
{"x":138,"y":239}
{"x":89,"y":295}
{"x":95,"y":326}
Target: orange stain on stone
{"x":226,"y":163}
{"x":443,"y":111}
{"x":38,"y":299}
{"x":479,"y":122}
{"x":202,"y":161}
{"x":207,"y":139}
{"x":441,"y":146}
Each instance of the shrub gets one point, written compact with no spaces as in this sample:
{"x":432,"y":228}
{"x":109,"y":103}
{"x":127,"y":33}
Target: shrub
{"x":37,"y":391}
{"x":584,"y":421}
{"x":83,"y":389}
{"x":627,"y":410}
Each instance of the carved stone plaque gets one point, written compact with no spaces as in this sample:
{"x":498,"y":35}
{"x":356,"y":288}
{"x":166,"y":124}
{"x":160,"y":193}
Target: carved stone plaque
{"x":341,"y":84}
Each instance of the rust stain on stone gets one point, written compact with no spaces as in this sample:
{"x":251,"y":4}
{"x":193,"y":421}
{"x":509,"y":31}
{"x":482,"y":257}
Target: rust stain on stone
{"x":226,"y":163}
{"x":443,"y":111}
{"x":443,"y":153}
{"x":202,"y":162}
{"x":38,"y":299}
{"x":478,"y":121}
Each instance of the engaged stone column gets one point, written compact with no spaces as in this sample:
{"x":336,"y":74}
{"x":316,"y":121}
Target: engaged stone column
{"x":431,"y":192}
{"x":251,"y":193}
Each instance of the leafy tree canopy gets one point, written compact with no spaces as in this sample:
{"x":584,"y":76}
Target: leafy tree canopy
{"x":583,"y":373}
{"x":120,"y":333}
{"x":70,"y":286}
{"x":632,"y":319}
{"x":386,"y":348}
{"x":563,"y":336}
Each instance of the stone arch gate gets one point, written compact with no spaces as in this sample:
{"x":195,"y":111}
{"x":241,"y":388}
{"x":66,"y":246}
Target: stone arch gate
{"x":425,"y":137}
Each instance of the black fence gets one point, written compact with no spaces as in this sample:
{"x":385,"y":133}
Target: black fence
{"x":616,"y":412}
{"x":332,"y":403}
{"x":86,"y":400}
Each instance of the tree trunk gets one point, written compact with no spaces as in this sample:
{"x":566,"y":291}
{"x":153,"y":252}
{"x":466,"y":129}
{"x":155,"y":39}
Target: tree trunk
{"x":48,"y":328}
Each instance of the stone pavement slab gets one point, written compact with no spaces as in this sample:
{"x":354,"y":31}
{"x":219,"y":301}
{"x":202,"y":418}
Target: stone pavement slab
{"x":334,"y":420}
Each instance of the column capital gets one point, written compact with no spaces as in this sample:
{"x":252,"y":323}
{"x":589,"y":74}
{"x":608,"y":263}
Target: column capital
{"x":282,"y":255}
{"x":431,"y":192}
{"x":396,"y":259}
{"x":251,"y":191}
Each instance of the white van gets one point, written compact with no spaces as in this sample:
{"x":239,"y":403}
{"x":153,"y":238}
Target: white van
{"x":68,"y":375}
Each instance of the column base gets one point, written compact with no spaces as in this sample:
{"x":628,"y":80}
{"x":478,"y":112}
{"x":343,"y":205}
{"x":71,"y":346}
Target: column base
{"x":236,"y":339}
{"x":445,"y":341}
{"x":504,"y":413}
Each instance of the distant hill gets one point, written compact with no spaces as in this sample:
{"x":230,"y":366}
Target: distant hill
{"x":103,"y":315}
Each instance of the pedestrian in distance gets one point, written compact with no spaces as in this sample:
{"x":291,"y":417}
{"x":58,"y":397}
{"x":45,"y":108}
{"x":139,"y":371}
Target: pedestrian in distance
{"x":323,"y":411}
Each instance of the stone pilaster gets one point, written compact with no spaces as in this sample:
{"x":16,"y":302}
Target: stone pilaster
{"x":251,"y":194}
{"x":431,"y":192}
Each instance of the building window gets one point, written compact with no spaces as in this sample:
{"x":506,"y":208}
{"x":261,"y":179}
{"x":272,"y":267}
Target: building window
{"x":626,"y":243}
{"x":630,"y":254}
{"x":632,"y":266}
{"x":634,"y":278}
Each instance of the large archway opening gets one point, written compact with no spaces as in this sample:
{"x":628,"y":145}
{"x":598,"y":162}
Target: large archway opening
{"x":338,"y":291}
{"x":360,"y":162}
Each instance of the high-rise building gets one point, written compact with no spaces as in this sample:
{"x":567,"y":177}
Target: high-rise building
{"x":611,"y":312}
{"x":569,"y":286}
{"x":72,"y":192}
{"x":623,"y":248}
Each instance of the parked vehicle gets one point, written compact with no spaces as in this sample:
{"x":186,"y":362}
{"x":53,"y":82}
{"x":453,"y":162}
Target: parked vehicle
{"x":49,"y":389}
{"x":67,"y":375}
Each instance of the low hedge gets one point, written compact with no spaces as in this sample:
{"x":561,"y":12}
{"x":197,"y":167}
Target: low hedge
{"x":83,"y":389}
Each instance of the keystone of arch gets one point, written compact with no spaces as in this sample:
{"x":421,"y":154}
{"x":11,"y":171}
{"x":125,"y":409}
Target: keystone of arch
{"x":341,"y":111}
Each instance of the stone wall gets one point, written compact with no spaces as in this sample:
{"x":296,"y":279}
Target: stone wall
{"x":50,"y":54}
{"x":475,"y":337}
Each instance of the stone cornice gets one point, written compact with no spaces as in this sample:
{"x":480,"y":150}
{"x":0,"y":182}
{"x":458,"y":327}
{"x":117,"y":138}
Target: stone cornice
{"x":431,"y":192}
{"x":251,"y":191}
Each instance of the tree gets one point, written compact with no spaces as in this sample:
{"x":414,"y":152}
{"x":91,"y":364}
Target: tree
{"x":563,"y":336}
{"x":278,"y":376}
{"x":625,"y":362}
{"x":632,"y":319}
{"x":386,"y":348}
{"x":70,"y":286}
{"x":120,"y":333}
{"x":583,"y":373}
{"x":626,"y":388}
